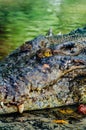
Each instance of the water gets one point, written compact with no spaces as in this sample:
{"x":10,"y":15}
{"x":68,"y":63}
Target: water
{"x":22,"y":20}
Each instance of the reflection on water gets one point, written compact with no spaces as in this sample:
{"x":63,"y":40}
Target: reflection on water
{"x":22,"y":20}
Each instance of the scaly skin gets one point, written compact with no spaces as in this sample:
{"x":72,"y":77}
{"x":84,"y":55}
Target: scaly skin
{"x":49,"y":71}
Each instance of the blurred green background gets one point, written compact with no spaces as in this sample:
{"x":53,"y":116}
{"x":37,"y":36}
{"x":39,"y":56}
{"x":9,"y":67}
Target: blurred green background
{"x":22,"y":20}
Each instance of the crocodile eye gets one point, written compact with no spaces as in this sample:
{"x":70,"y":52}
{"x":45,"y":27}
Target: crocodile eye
{"x":48,"y":53}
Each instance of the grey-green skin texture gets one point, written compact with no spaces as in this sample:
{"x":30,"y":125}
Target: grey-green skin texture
{"x":31,"y":79}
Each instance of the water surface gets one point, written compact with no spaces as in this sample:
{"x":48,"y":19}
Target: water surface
{"x":22,"y":20}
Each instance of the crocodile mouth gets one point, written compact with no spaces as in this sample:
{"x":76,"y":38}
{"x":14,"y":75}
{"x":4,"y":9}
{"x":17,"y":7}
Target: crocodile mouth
{"x":48,"y":93}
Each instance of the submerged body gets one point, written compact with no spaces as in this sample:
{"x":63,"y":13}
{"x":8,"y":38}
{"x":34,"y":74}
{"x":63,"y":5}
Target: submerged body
{"x":49,"y":71}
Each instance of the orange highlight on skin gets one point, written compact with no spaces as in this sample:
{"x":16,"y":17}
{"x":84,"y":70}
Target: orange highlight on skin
{"x":60,"y":121}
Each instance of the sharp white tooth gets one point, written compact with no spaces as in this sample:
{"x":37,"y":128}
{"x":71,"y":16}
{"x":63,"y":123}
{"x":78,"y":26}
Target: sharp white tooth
{"x":21,"y":108}
{"x":2,"y":104}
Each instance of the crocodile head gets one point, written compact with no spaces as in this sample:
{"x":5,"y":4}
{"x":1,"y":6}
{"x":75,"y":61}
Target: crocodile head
{"x":45,"y":72}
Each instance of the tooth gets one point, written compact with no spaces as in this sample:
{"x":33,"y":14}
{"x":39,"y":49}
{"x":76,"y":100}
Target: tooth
{"x":2,"y":104}
{"x":21,"y":108}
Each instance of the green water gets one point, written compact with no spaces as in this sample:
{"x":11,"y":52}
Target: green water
{"x":22,"y":20}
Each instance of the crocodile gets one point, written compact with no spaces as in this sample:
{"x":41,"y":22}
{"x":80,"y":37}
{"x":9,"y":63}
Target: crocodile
{"x":46,"y":72}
